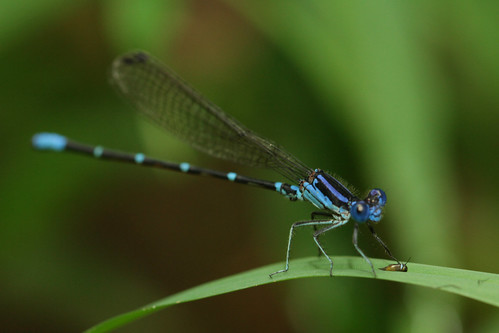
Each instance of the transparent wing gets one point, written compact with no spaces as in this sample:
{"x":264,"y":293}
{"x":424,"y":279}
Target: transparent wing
{"x":159,"y":93}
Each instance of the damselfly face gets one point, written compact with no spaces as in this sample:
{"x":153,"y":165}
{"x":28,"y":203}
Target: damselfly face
{"x":370,"y":209}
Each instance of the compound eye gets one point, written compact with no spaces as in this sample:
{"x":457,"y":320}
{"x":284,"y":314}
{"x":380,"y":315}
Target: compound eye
{"x":360,"y":211}
{"x":377,"y":197}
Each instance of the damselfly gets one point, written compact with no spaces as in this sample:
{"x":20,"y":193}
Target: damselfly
{"x":167,"y":100}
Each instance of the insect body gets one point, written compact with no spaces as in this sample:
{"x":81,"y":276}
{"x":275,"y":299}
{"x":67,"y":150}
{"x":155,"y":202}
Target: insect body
{"x":167,"y":100}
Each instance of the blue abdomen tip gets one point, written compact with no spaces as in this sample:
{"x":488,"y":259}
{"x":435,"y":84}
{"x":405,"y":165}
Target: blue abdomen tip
{"x":49,"y":141}
{"x":232,"y":176}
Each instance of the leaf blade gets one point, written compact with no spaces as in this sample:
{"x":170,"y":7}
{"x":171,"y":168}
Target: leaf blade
{"x":480,"y":286}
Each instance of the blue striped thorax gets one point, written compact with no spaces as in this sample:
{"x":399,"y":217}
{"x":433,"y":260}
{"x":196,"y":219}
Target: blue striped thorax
{"x":325,"y":192}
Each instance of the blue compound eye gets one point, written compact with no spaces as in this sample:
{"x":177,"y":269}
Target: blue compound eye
{"x":376,"y":197}
{"x":360,"y":211}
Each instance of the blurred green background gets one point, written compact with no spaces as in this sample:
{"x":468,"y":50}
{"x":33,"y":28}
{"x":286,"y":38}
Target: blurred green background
{"x":398,"y":95}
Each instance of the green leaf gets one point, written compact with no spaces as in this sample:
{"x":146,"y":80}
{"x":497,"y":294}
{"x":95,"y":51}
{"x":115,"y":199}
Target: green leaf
{"x":477,"y":285}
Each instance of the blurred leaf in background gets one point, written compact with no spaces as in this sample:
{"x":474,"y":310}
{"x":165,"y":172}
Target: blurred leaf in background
{"x":395,"y":95}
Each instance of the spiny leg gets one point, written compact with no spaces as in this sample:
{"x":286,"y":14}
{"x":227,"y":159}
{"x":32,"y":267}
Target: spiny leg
{"x":321,"y":249}
{"x":291,"y":230}
{"x":313,"y":216}
{"x":354,"y":241}
{"x":387,"y":250}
